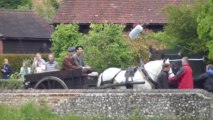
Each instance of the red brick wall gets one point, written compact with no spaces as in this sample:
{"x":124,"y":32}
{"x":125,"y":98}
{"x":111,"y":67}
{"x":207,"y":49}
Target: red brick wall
{"x":1,"y":46}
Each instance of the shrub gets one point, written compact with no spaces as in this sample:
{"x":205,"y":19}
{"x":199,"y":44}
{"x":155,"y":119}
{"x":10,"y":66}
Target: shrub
{"x":106,"y":46}
{"x":140,"y":48}
{"x":65,"y":36}
{"x":11,"y":84}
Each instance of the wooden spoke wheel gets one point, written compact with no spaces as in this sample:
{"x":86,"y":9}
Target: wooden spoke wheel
{"x":50,"y":82}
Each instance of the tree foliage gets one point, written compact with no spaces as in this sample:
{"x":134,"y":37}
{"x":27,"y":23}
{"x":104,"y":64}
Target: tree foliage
{"x":15,"y":4}
{"x":142,"y":44}
{"x":182,"y":26}
{"x":205,"y":26}
{"x":106,"y":46}
{"x":47,"y":8}
{"x":63,"y":37}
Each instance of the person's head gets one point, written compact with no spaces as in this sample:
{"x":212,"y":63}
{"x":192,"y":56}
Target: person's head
{"x":79,"y":49}
{"x":51,"y":57}
{"x":6,"y":61}
{"x":24,"y":64}
{"x":71,"y":50}
{"x":38,"y":56}
{"x":209,"y":67}
{"x":185,"y":60}
{"x":166,"y":67}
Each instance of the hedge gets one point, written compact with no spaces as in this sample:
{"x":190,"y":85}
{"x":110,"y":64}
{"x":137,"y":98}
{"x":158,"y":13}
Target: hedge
{"x":16,"y":60}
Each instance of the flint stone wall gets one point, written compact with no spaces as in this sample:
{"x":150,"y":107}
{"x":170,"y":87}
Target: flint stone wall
{"x":118,"y":103}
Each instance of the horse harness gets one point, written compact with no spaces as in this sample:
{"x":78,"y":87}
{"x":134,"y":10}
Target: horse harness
{"x":109,"y":81}
{"x":130,"y":72}
{"x":145,"y":75}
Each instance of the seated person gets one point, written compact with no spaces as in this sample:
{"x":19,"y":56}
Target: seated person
{"x":78,"y":57}
{"x":38,"y":64}
{"x":68,"y":62}
{"x":24,"y":70}
{"x":207,"y":78}
{"x":51,"y":65}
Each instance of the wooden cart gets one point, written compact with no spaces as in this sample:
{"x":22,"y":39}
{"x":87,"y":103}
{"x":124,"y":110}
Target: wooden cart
{"x":67,"y":79}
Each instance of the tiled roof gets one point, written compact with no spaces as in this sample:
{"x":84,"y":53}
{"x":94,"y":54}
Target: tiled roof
{"x":23,"y":24}
{"x":113,"y":11}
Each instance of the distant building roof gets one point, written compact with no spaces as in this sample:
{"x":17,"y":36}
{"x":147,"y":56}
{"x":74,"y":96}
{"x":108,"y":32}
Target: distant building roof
{"x":113,"y":11}
{"x":23,"y":24}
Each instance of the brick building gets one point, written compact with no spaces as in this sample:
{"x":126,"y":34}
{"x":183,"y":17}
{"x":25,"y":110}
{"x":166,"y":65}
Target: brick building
{"x":128,"y":12}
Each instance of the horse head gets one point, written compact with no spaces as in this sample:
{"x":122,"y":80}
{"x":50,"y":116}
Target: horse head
{"x":171,"y":74}
{"x":153,"y":68}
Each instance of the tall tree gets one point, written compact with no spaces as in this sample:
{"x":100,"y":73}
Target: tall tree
{"x":106,"y":46}
{"x":65,"y":36}
{"x":182,"y":26}
{"x":46,"y":8}
{"x":205,"y":26}
{"x":15,"y":4}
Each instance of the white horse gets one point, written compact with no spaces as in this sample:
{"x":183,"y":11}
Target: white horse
{"x":117,"y":75}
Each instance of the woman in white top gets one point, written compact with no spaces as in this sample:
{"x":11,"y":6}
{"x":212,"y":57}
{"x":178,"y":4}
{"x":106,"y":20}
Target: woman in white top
{"x":38,"y":64}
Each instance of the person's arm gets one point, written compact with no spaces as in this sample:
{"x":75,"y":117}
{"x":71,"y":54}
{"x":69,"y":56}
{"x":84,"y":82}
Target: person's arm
{"x":9,"y":70}
{"x":165,"y":81}
{"x":68,"y":63}
{"x":201,"y":77}
{"x":160,"y":81}
{"x":83,"y":63}
{"x":75,"y":58}
{"x":179,"y":74}
{"x":2,"y":69}
{"x":74,"y":64}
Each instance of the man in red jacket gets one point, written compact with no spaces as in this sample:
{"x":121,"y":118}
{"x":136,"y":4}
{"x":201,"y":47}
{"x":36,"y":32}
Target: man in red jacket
{"x":184,"y":76}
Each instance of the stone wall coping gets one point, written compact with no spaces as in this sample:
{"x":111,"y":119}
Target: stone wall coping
{"x":107,"y":91}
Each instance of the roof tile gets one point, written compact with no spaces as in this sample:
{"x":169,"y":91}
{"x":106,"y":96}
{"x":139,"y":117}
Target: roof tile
{"x":23,"y":24}
{"x":113,"y":11}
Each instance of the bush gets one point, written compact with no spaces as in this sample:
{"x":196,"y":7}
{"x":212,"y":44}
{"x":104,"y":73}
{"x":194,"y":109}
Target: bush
{"x":11,"y":84}
{"x":106,"y":46}
{"x":140,"y":48}
{"x":182,"y":27}
{"x":65,"y":36}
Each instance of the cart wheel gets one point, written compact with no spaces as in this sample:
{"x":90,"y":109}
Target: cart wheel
{"x":50,"y":82}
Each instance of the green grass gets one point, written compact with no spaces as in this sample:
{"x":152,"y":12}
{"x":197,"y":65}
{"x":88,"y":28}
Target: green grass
{"x":33,"y":112}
